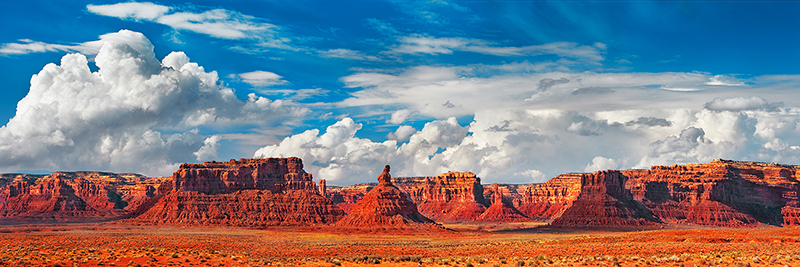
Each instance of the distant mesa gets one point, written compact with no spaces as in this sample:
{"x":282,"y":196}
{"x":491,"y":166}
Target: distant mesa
{"x":384,"y":205}
{"x":74,"y":196}
{"x":501,"y":210}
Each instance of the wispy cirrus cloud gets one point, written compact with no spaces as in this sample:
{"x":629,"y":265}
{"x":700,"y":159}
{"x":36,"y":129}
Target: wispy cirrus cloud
{"x":347,"y":54}
{"x":28,"y":46}
{"x":418,"y":44}
{"x":217,"y":23}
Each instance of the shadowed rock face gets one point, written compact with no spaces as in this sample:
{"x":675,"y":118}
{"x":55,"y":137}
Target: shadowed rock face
{"x":501,"y":210}
{"x":247,"y":192}
{"x":720,"y":193}
{"x":604,"y":201}
{"x":74,"y":196}
{"x":384,"y":205}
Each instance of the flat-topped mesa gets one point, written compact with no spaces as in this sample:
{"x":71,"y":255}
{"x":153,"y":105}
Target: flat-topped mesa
{"x":75,"y":196}
{"x":448,"y":197}
{"x":274,"y":174}
{"x":501,"y":210}
{"x":604,"y":201}
{"x":245,"y":192}
{"x":720,"y":193}
{"x":384,"y":205}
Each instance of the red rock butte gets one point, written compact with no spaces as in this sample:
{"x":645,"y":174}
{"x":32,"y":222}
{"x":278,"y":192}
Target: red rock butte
{"x":384,"y":206}
{"x":247,"y":192}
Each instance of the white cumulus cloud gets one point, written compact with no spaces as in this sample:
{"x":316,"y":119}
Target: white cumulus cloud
{"x":135,"y":113}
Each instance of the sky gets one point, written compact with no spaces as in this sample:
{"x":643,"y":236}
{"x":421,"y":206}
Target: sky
{"x":514,"y":91}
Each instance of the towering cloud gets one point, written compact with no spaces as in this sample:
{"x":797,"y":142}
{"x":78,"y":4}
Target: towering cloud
{"x":135,"y":113}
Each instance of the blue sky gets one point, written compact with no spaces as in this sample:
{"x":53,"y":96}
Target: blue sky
{"x":515,"y":91}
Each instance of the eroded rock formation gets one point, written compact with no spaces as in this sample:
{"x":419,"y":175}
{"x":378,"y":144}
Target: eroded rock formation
{"x":384,"y":205}
{"x":501,"y":210}
{"x":604,"y":201}
{"x":246,"y":192}
{"x":549,"y":200}
{"x":448,"y":197}
{"x":75,"y":196}
{"x":721,"y":193}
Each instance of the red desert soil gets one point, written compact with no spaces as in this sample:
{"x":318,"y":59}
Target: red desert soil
{"x":114,"y":244}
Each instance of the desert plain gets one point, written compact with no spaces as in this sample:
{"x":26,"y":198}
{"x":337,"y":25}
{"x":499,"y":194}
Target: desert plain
{"x":504,"y":244}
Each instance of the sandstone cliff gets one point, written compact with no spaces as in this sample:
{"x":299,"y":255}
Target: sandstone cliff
{"x":347,"y":196}
{"x":448,"y":197}
{"x":384,"y":205}
{"x":75,"y":196}
{"x":246,"y":192}
{"x":604,"y":201}
{"x":274,"y":174}
{"x":549,"y":200}
{"x":721,"y":193}
{"x":501,"y":210}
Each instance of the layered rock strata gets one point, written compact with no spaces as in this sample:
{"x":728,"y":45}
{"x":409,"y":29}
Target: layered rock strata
{"x":604,"y":201}
{"x":448,"y":197}
{"x":501,"y":210}
{"x":548,"y":200}
{"x":75,"y":196}
{"x":247,"y":192}
{"x":384,"y":205}
{"x":721,"y":193}
{"x":346,"y":197}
